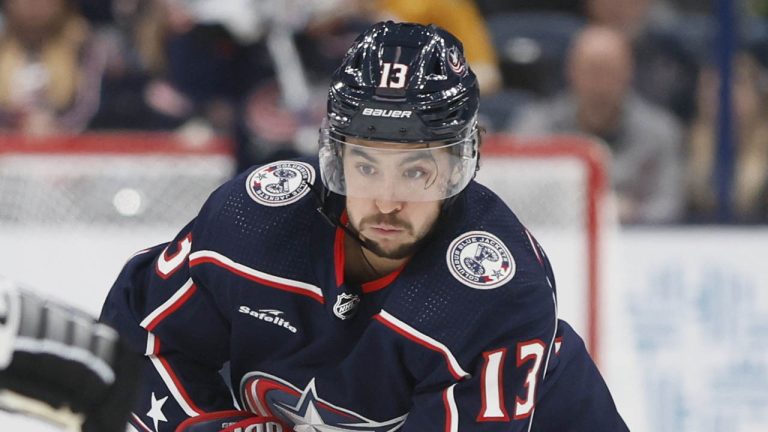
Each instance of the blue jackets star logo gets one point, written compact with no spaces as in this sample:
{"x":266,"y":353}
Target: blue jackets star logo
{"x":269,"y":395}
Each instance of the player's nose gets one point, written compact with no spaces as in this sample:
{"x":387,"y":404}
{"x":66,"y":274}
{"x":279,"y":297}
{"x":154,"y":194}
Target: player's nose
{"x":387,"y":198}
{"x":387,"y":206}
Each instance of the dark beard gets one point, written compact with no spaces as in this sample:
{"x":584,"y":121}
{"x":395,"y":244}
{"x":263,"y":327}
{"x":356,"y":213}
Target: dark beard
{"x":403,"y":251}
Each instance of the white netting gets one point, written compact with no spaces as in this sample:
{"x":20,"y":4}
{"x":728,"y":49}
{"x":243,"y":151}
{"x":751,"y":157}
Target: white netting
{"x":545,"y":192}
{"x":82,"y":213}
{"x":107,"y":189}
{"x":558,"y":188}
{"x":74,"y":209}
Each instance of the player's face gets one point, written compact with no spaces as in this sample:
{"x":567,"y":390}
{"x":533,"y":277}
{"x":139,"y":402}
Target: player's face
{"x":384,"y":216}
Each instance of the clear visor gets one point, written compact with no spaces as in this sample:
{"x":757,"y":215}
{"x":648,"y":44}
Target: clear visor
{"x":429,"y":171}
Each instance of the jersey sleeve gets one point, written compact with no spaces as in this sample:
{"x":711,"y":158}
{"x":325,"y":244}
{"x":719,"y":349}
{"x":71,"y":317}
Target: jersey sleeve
{"x":166,"y":313}
{"x":495,"y":388}
{"x":490,"y":338}
{"x":574,"y":395}
{"x":525,"y":371}
{"x":532,"y":387}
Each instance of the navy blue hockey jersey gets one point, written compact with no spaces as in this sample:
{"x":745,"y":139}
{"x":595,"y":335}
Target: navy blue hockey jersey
{"x":464,"y":337}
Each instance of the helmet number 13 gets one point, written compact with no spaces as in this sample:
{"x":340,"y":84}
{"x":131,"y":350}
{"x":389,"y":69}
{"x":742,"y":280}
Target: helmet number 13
{"x":393,"y":75}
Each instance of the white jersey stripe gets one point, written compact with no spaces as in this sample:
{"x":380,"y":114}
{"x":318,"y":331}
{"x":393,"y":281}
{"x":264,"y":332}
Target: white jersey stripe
{"x":136,"y":419}
{"x":304,"y":288}
{"x":425,"y":340}
{"x":551,"y":347}
{"x":535,"y":248}
{"x":141,"y":252}
{"x":452,"y":413}
{"x":150,"y":349}
{"x":167,"y":305}
{"x":168,"y":380}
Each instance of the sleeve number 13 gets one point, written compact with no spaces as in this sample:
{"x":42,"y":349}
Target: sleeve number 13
{"x":493,"y":408}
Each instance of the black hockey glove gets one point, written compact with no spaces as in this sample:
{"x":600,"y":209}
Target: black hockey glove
{"x":59,"y":364}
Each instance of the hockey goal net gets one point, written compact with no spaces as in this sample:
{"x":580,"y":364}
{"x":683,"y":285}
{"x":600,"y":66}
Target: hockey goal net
{"x":74,"y":208}
{"x":107,"y":179}
{"x":558,"y":187}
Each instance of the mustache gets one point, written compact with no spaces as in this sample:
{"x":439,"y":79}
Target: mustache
{"x":386,"y":219}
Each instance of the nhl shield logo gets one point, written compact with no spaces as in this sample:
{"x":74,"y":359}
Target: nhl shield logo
{"x":280,"y":183}
{"x":480,"y":260}
{"x":346,"y":305}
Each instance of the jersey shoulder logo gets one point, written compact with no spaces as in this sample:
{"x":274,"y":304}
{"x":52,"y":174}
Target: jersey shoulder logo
{"x":280,"y":183}
{"x":478,"y":259}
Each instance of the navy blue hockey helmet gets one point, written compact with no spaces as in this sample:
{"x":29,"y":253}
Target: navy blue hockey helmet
{"x":403,"y":93}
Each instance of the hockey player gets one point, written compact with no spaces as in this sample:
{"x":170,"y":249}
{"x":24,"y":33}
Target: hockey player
{"x":375,"y":288}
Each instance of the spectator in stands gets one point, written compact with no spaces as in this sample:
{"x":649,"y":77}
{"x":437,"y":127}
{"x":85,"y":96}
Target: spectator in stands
{"x":666,"y":50}
{"x":99,"y":12}
{"x":749,"y":188}
{"x":706,"y":7}
{"x":280,"y":112}
{"x":169,"y":70}
{"x":491,"y":7}
{"x":627,"y":16}
{"x":644,"y":139}
{"x":50,"y":68}
{"x":460,"y":17}
{"x":532,"y":42}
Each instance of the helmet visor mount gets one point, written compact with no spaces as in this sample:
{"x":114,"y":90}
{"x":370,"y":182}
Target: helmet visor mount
{"x":396,"y":171}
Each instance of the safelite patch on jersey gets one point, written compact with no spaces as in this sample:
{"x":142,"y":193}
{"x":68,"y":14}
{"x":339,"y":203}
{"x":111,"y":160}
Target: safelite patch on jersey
{"x":280,"y":183}
{"x":480,"y":260}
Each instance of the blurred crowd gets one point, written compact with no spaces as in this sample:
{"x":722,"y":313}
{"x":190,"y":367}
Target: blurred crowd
{"x":640,"y":75}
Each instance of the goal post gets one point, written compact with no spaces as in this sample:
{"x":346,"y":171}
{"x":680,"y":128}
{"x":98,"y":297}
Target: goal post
{"x":559,"y":188}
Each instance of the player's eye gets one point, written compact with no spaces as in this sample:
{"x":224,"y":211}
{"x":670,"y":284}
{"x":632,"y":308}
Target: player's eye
{"x":414,"y":173}
{"x":366,"y":169}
